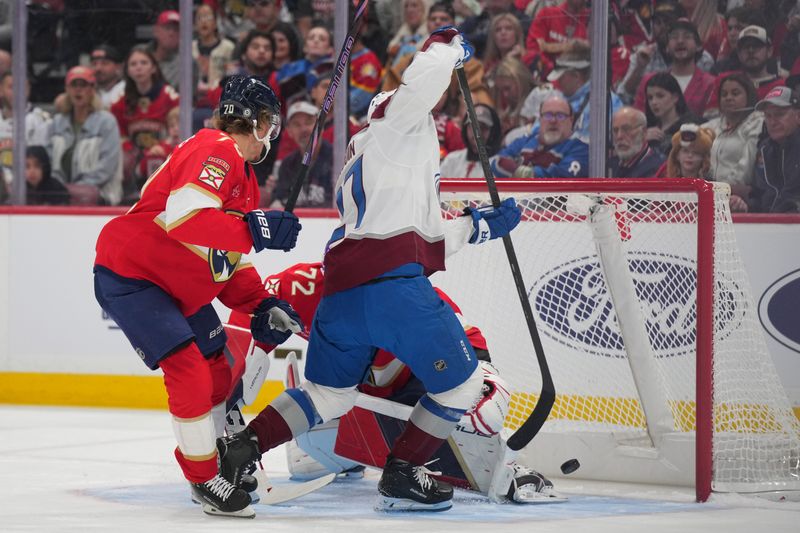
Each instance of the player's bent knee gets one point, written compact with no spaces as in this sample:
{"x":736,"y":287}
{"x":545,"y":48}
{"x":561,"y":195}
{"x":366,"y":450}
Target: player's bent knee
{"x":461,"y":396}
{"x":330,"y":402}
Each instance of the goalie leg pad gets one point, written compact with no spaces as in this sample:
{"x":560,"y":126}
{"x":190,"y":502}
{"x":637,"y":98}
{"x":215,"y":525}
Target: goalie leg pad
{"x":314,"y":456}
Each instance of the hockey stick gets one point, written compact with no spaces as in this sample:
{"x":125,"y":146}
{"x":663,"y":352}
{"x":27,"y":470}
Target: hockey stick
{"x":547,"y":397}
{"x":340,"y":67}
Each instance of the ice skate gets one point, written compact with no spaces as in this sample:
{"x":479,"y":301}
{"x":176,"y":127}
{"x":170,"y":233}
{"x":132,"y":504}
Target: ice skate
{"x":218,"y":497}
{"x":407,"y":487}
{"x":236,"y":455}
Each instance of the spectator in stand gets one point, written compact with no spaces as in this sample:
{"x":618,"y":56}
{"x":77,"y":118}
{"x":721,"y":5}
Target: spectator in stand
{"x":107,"y":66}
{"x":260,"y":15}
{"x":666,"y":111}
{"x":790,"y":44}
{"x":477,"y":28}
{"x":690,"y":156}
{"x":287,"y":44}
{"x":42,"y":188}
{"x":86,"y":144}
{"x":651,"y":57}
{"x":141,"y":113}
{"x":554,"y":31}
{"x":737,"y":19}
{"x":465,"y":163}
{"x":636,"y":18}
{"x":505,"y":40}
{"x":571,"y":77}
{"x":411,"y":33}
{"x":684,"y":48}
{"x":512,"y":84}
{"x":255,"y":57}
{"x":38,"y":126}
{"x":164,"y":48}
{"x":753,"y":53}
{"x":317,"y":190}
{"x":452,"y":103}
{"x":294,"y":78}
{"x":710,"y":25}
{"x":776,"y":188}
{"x":5,"y":61}
{"x":211,"y":52}
{"x":633,"y":156}
{"x":737,"y":130}
{"x":365,"y":78}
{"x":619,"y":54}
{"x":553,"y":152}
{"x":529,"y":113}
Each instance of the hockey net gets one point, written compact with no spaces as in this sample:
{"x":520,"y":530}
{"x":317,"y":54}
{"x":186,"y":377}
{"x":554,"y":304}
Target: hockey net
{"x":649,"y":327}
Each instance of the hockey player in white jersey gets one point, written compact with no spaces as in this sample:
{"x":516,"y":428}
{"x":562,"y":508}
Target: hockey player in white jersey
{"x":377,"y":294}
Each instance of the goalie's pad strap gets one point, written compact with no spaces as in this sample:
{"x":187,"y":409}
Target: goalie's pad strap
{"x":196,"y":437}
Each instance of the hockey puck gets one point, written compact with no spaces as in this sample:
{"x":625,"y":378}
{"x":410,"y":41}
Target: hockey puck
{"x":570,"y":466}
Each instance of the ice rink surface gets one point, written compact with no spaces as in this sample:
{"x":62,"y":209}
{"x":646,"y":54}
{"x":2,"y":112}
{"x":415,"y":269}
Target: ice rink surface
{"x":84,"y":470}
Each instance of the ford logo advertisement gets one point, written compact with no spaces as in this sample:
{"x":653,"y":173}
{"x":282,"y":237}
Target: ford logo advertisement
{"x":574,"y":305}
{"x":777,"y":310}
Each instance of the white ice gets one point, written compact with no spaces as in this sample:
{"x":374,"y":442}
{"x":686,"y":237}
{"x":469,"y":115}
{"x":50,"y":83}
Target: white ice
{"x":65,"y":469}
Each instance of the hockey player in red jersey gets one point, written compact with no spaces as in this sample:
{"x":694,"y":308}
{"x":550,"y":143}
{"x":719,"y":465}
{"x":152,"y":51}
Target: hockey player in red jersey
{"x":391,"y":236}
{"x":159,"y":266}
{"x":302,"y":286}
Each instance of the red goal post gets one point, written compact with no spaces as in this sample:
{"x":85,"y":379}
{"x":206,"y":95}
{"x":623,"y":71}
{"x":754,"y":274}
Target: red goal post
{"x":659,"y":270}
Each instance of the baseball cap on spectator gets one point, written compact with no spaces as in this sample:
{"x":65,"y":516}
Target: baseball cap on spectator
{"x":80,"y":73}
{"x":684,"y":23}
{"x":169,"y":16}
{"x":301,"y":106}
{"x":483,"y":115}
{"x":753,"y":33}
{"x":669,"y":10}
{"x":778,"y":96}
{"x":568,"y":61}
{"x":106,"y":51}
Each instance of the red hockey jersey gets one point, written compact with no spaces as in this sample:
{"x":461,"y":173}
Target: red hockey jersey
{"x":301,"y":285}
{"x":186,"y":234}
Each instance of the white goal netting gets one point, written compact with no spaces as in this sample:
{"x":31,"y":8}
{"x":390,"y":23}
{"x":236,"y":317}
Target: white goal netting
{"x":612,"y":279}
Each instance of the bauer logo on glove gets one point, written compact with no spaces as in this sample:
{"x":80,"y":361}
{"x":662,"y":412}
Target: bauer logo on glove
{"x":273,"y":230}
{"x":493,"y":222}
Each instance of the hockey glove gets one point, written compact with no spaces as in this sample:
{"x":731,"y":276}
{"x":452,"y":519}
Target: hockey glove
{"x":490,"y":223}
{"x":274,"y":321}
{"x":273,"y":230}
{"x":448,"y":34}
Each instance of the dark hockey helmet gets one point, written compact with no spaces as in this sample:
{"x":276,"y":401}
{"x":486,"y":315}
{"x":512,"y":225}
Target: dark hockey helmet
{"x":246,"y":97}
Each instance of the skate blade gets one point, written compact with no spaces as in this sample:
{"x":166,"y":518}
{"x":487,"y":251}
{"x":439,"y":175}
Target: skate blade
{"x":385,"y":504}
{"x":247,"y":512}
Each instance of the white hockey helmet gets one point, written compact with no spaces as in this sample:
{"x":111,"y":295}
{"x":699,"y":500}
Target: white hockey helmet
{"x":377,"y":100}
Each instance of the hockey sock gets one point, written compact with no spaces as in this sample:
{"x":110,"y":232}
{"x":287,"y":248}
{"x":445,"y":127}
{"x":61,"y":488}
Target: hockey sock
{"x":289,"y":415}
{"x":427,"y":428}
{"x":220,"y":378}
{"x":188,"y":381}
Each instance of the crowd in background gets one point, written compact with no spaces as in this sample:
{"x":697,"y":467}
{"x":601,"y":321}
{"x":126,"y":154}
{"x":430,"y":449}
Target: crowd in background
{"x":698,"y":88}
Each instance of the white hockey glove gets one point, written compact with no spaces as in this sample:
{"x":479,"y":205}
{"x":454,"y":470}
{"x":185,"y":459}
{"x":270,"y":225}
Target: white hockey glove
{"x":529,"y":486}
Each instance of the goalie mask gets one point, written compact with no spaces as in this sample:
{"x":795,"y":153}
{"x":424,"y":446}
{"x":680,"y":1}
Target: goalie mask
{"x":487,"y":414}
{"x":251,"y":99}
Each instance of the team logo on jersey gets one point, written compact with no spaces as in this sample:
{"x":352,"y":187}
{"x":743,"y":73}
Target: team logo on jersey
{"x":214,"y":171}
{"x":223,"y":264}
{"x":574,"y":305}
{"x":273,"y":285}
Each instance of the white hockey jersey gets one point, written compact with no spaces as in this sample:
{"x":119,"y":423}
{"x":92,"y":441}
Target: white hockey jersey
{"x":387,"y":193}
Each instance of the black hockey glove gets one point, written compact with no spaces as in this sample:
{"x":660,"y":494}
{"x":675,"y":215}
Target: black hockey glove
{"x":273,"y":230}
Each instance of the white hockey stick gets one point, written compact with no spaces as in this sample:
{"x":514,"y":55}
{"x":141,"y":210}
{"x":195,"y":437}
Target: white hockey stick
{"x":274,"y":494}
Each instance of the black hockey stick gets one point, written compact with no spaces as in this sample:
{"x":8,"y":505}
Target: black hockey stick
{"x":339,"y":70}
{"x":534,"y":423}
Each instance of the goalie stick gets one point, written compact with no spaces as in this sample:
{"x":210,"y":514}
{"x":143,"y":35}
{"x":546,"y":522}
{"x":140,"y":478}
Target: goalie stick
{"x":339,"y":70}
{"x":522,"y":436}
